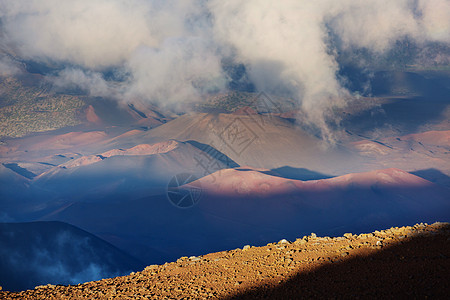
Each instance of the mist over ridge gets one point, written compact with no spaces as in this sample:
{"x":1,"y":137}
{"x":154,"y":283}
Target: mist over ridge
{"x":173,"y":52}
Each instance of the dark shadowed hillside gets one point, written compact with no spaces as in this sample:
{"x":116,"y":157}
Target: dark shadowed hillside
{"x":38,"y":253}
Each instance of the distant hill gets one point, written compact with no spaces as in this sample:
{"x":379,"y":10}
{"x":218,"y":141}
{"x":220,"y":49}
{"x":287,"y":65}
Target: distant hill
{"x":32,"y":108}
{"x":258,"y":140}
{"x":30,"y":104}
{"x":246,"y":205}
{"x":38,"y":253}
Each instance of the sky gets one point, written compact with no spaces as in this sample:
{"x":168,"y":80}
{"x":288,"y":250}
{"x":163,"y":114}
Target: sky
{"x":172,"y":52}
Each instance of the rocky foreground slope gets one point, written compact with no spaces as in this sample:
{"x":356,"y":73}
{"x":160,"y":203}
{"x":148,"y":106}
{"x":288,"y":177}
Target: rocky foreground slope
{"x":397,"y":262}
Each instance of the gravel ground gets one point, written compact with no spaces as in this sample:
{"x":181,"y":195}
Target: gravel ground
{"x":412,"y":262}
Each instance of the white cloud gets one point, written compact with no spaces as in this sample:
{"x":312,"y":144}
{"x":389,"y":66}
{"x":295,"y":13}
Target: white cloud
{"x":172,"y":49}
{"x":8,"y":67}
{"x":89,"y":33}
{"x":435,"y":19}
{"x":178,"y":71}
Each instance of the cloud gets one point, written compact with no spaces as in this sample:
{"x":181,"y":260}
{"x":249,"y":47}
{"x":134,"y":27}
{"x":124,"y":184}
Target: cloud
{"x":435,"y":19}
{"x":89,"y":82}
{"x":56,"y":256}
{"x":171,"y":51}
{"x":179,"y":71}
{"x":8,"y":67}
{"x":291,"y":45}
{"x":93,"y":34}
{"x":373,"y":24}
{"x":284,"y":47}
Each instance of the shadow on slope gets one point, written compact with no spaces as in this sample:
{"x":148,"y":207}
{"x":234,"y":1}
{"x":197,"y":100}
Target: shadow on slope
{"x":400,"y":116}
{"x":434,"y":176}
{"x":408,"y":101}
{"x":416,"y":268}
{"x":398,"y":83}
{"x":297,"y":173}
{"x":54,"y":252}
{"x":213,"y":152}
{"x":19,"y":170}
